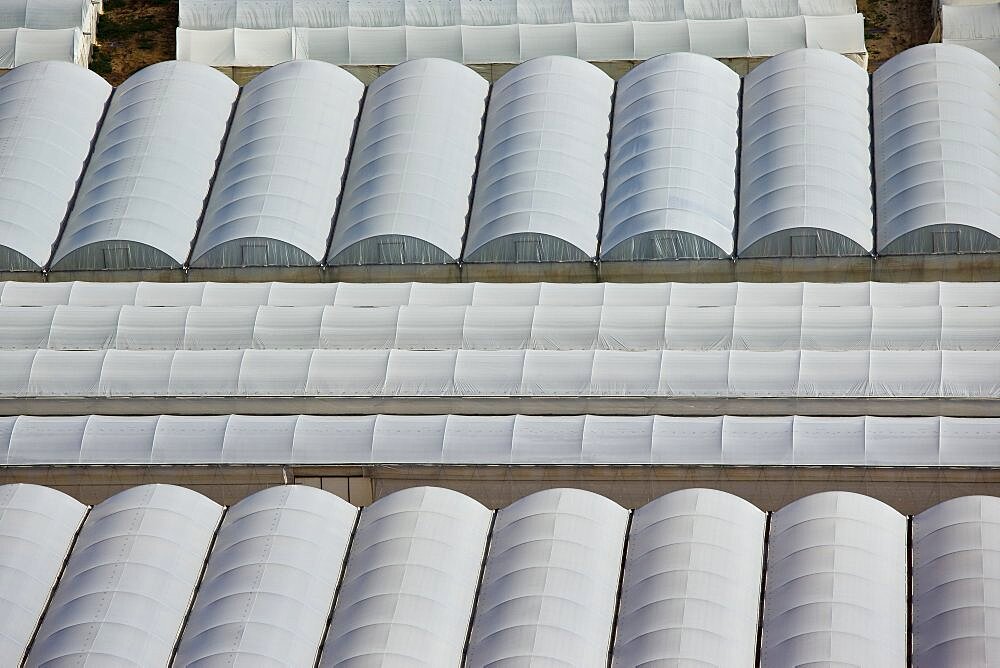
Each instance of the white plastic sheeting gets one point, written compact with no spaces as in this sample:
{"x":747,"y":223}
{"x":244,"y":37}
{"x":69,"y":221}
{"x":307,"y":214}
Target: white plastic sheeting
{"x":956,"y":583}
{"x":276,"y":190}
{"x":410,"y":584}
{"x":418,"y":327}
{"x":836,"y":586}
{"x":512,"y":439}
{"x":541,"y":172}
{"x":216,"y":14}
{"x":504,"y":373}
{"x":975,"y":25}
{"x":806,"y":158}
{"x":49,"y":14}
{"x":407,"y":194}
{"x":550,"y":582}
{"x":671,"y":189}
{"x":20,"y":46}
{"x":129,"y":581}
{"x":49,"y":113}
{"x":367,"y":32}
{"x":270,"y":581}
{"x":37,"y":527}
{"x":143,"y":192}
{"x":691,"y":584}
{"x":81,"y":293}
{"x":937,"y":151}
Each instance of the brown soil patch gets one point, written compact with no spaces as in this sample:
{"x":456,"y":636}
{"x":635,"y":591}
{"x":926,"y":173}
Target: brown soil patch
{"x":132,"y":34}
{"x":892,"y":26}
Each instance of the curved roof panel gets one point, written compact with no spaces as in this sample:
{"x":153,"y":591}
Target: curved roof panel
{"x":691,"y":587}
{"x":275,"y":194}
{"x":541,"y":171}
{"x":269,"y":584}
{"x":836,"y":583}
{"x":410,"y":584}
{"x":37,"y":528}
{"x":672,"y":172}
{"x":806,"y":161}
{"x":142,"y":194}
{"x":937,"y":151}
{"x":550,"y":583}
{"x":956,"y":583}
{"x":406,"y":199}
{"x":127,"y":586}
{"x":49,"y":114}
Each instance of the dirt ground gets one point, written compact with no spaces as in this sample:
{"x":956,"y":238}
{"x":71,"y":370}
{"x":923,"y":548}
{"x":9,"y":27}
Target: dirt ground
{"x":136,"y":33}
{"x":892,"y":26}
{"x":133,"y":34}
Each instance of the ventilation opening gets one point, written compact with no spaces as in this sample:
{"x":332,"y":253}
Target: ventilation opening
{"x":946,"y":241}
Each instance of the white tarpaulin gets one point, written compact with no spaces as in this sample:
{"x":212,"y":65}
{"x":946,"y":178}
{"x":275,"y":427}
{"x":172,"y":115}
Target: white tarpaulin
{"x":144,"y":188}
{"x":542,"y":165}
{"x":514,"y":439}
{"x":937,"y":151}
{"x":270,"y":581}
{"x":20,"y":46}
{"x":550,"y":582}
{"x":37,"y":528}
{"x":275,"y":193}
{"x":49,"y":113}
{"x":975,"y":25}
{"x":409,"y":588}
{"x":503,"y":373}
{"x":406,"y":199}
{"x":823,"y":328}
{"x":521,"y":41}
{"x":127,"y":586}
{"x":691,"y":583}
{"x":956,"y":583}
{"x":81,"y":293}
{"x":671,"y":190}
{"x":805,"y":159}
{"x":836,"y":586}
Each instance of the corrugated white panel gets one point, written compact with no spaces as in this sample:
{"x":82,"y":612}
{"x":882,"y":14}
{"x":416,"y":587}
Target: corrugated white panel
{"x":805,"y":161}
{"x":671,"y":189}
{"x":407,"y":194}
{"x":270,"y":581}
{"x":937,"y":151}
{"x":541,"y":172}
{"x":562,"y":373}
{"x":691,"y":587}
{"x":410,"y":583}
{"x":550,"y":584}
{"x":142,"y":193}
{"x":129,"y":580}
{"x":49,"y":114}
{"x":956,"y":583}
{"x":37,"y":527}
{"x":275,"y":194}
{"x":836,"y":587}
